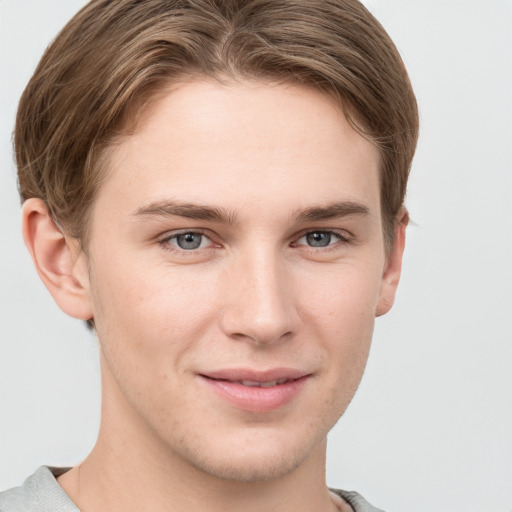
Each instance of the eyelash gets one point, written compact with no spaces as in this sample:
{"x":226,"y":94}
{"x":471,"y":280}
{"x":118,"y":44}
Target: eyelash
{"x":342,"y":237}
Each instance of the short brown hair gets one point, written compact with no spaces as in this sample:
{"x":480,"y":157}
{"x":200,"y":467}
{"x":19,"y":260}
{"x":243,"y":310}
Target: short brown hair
{"x":114,"y":56}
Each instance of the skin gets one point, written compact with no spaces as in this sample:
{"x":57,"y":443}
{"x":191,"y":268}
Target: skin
{"x":278,"y":169}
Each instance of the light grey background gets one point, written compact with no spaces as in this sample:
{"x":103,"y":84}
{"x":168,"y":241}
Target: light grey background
{"x":430,"y":429}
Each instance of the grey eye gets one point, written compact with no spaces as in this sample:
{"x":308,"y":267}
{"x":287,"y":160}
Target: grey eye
{"x":189,"y":241}
{"x":319,"y":238}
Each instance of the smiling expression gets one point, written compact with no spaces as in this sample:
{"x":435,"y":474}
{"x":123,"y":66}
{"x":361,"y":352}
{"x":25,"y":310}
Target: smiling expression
{"x":236,"y":266}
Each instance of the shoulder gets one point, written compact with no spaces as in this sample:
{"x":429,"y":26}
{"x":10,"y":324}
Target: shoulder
{"x":39,"y":493}
{"x":356,"y":501}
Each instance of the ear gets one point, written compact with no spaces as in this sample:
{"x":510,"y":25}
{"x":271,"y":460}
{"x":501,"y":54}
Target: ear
{"x":59,"y":260}
{"x":393,"y":267}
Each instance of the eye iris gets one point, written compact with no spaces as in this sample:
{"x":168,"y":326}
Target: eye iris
{"x":189,"y":241}
{"x":318,"y":239}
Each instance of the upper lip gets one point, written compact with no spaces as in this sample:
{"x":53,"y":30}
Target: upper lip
{"x":247,"y":374}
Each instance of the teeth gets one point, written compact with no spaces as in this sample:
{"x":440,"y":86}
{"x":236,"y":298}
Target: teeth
{"x":250,"y":383}
{"x":268,"y":384}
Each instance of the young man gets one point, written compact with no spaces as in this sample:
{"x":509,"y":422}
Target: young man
{"x":216,"y":187}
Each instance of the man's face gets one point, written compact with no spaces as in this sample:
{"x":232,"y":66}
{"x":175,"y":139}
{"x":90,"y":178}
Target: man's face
{"x":236,"y":265}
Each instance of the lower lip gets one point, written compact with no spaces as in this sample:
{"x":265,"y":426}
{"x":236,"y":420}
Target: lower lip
{"x":255,"y":398}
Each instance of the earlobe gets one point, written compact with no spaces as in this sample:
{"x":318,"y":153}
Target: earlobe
{"x":393,"y":268}
{"x":59,"y":260}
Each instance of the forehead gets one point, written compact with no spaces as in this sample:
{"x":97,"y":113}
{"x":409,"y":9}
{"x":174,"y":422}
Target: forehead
{"x":275,"y":147}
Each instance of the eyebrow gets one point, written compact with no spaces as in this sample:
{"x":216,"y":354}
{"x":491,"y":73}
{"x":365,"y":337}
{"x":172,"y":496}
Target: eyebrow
{"x":190,"y":211}
{"x":332,"y":211}
{"x":168,"y":208}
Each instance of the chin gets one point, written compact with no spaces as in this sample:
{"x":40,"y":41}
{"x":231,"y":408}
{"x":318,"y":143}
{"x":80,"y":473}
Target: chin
{"x":258,"y":457}
{"x":249,"y":469}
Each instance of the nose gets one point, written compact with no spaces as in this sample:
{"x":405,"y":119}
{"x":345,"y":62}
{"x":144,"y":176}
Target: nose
{"x":259,"y":303}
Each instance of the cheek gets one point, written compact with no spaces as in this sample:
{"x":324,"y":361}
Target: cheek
{"x":344,"y":296}
{"x":148,"y":326}
{"x":152,"y":314}
{"x":342,"y":312}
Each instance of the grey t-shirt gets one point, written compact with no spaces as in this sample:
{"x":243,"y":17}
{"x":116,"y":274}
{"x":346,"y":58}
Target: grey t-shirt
{"x":42,"y":493}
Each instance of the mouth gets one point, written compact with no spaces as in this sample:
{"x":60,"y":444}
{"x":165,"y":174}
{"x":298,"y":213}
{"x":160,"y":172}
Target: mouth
{"x":255,"y":391}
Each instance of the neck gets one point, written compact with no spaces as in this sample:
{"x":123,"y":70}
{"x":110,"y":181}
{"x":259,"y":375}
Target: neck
{"x":113,"y":479}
